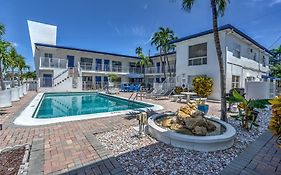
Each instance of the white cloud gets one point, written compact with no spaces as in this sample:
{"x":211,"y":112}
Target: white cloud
{"x":138,"y":30}
{"x":145,"y":7}
{"x":275,"y":2}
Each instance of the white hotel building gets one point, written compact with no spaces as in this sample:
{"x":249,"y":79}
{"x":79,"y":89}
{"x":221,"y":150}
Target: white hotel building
{"x":61,"y":68}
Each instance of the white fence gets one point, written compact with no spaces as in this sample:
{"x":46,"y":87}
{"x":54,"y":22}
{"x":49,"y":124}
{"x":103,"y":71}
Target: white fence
{"x":260,"y":89}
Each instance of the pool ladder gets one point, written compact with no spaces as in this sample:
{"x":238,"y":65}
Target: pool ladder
{"x":132,"y":97}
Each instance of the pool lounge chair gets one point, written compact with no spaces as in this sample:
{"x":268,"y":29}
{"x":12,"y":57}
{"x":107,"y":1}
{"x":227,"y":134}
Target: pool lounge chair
{"x":165,"y":94}
{"x":131,"y":88}
{"x":153,"y":93}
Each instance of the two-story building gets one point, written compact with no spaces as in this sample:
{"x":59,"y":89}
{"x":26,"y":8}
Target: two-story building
{"x":244,"y":58}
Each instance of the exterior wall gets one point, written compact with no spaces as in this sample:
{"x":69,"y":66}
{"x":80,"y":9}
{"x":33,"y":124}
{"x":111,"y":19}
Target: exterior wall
{"x":211,"y":69}
{"x":244,"y":67}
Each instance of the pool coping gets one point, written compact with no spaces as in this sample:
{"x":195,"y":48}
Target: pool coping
{"x":25,"y":118}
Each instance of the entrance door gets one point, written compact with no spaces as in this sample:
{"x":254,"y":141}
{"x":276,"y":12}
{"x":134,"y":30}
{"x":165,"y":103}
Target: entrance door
{"x":70,"y":61}
{"x":47,"y":80}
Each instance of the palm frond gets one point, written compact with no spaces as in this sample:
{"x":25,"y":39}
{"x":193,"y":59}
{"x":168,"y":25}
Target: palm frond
{"x":187,"y":4}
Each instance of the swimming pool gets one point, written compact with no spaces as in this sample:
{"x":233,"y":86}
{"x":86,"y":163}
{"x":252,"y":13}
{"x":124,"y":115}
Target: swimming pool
{"x":55,"y":105}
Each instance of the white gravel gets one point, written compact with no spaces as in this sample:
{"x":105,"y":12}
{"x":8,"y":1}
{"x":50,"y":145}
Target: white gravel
{"x":148,"y":156}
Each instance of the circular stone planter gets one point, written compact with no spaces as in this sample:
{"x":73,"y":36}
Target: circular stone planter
{"x":5,"y":98}
{"x":198,"y":143}
{"x":15,"y":94}
{"x":20,"y":91}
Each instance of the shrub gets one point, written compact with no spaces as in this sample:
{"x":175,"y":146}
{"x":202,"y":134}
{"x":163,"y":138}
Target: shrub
{"x":114,"y":78}
{"x":178,"y":90}
{"x":203,"y":86}
{"x":275,"y":121}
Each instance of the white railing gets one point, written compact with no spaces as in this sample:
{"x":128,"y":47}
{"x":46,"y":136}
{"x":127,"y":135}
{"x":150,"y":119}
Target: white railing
{"x":108,"y":68}
{"x":160,"y":70}
{"x":46,"y":62}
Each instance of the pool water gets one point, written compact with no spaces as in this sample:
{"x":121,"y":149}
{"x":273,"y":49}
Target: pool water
{"x":54,"y":105}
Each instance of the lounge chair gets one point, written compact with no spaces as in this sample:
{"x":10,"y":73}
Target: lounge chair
{"x":153,"y":93}
{"x":164,"y":94}
{"x":131,"y":88}
{"x":137,"y":88}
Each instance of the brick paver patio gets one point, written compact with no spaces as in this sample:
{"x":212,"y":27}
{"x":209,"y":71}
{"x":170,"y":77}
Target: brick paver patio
{"x":72,"y":148}
{"x":261,"y":157}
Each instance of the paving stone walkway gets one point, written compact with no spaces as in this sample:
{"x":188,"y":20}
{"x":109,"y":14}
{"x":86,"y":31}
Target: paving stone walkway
{"x":261,"y":157}
{"x":62,"y":148}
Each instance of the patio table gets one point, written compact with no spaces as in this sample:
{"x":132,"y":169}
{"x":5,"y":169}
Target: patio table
{"x":187,"y":94}
{"x":177,"y":97}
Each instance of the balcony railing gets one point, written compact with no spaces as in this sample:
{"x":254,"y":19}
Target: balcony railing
{"x":46,"y":62}
{"x":108,"y":68}
{"x":160,"y":70}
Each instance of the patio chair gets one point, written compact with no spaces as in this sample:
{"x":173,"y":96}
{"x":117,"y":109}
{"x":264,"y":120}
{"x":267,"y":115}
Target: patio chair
{"x":137,"y":88}
{"x":153,"y":93}
{"x":164,"y":94}
{"x":131,"y":88}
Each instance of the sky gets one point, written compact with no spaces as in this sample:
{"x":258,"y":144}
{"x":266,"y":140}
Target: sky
{"x":119,"y":26}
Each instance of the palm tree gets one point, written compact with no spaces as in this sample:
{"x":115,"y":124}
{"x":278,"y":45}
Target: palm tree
{"x":218,"y":8}
{"x":3,"y":58}
{"x":163,"y":39}
{"x":138,"y":51}
{"x":157,"y":41}
{"x":21,"y":64}
{"x":144,"y":62}
{"x":12,"y":63}
{"x":2,"y":30}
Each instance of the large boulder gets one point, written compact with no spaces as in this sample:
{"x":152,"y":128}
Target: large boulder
{"x":199,"y":131}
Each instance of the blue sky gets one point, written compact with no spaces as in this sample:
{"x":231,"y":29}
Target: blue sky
{"x":121,"y":26}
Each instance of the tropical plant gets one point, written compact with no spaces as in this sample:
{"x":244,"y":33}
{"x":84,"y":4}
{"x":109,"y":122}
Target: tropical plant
{"x":218,"y":8}
{"x":21,"y":65}
{"x":247,"y":114}
{"x":161,"y":40}
{"x":29,"y":74}
{"x":12,"y":63}
{"x":114,"y":78}
{"x":275,"y":70}
{"x":144,"y":62}
{"x":275,"y":120}
{"x":2,"y":30}
{"x":203,"y":86}
{"x":138,"y":51}
{"x":3,"y":59}
{"x":276,"y":57}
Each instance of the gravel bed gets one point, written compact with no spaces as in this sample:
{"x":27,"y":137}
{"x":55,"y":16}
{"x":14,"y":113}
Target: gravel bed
{"x":148,"y":156}
{"x":11,"y":160}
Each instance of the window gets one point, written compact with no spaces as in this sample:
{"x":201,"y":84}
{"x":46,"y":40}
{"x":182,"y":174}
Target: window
{"x":235,"y":81}
{"x":197,"y":54}
{"x":86,"y":63}
{"x":48,"y":55}
{"x":236,"y":50}
{"x":116,"y":66}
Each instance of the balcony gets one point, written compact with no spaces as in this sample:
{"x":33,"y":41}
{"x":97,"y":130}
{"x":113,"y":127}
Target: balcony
{"x":109,"y":68}
{"x":160,"y":70}
{"x":59,"y":63}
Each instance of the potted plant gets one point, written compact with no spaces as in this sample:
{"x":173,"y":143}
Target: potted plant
{"x":203,"y":86}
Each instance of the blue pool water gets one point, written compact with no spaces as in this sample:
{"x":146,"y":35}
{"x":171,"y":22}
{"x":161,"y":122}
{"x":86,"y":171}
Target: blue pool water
{"x":55,"y":105}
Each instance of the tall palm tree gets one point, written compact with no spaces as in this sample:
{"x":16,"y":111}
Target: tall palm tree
{"x":3,"y":58}
{"x":218,"y":8}
{"x":138,"y":51}
{"x":157,"y":41}
{"x":144,"y":62}
{"x":163,"y":38}
{"x":2,"y":30}
{"x":21,"y":64}
{"x":12,"y":63}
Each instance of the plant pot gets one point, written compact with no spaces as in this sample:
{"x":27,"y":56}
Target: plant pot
{"x":5,"y":98}
{"x":203,"y":108}
{"x":20,"y":91}
{"x":15,"y":94}
{"x":24,"y":90}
